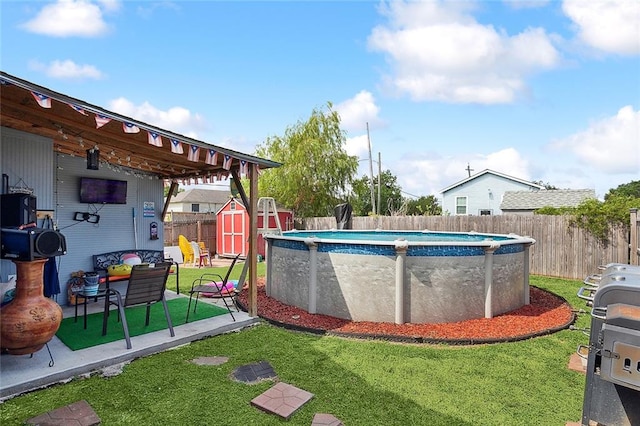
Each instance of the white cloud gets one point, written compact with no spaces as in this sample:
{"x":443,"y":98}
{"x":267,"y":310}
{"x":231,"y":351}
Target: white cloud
{"x":526,"y":4}
{"x":358,"y":146}
{"x":611,"y":145}
{"x":356,"y":112}
{"x":147,"y":9}
{"x":610,"y":25}
{"x":176,"y":119}
{"x":438,"y":52}
{"x":67,"y":69}
{"x":110,"y":5}
{"x":69,"y":18}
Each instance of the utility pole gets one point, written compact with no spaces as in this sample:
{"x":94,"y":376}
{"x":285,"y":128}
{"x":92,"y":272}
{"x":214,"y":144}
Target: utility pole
{"x":373,"y":199}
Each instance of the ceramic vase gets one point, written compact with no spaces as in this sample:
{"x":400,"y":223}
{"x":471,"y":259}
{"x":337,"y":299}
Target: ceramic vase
{"x":30,"y":320}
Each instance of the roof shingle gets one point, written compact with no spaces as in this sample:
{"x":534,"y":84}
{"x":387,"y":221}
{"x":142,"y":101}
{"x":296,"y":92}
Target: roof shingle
{"x":531,"y":200}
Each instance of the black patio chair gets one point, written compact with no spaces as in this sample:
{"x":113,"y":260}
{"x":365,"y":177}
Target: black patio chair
{"x":216,"y":286}
{"x":147,"y":285}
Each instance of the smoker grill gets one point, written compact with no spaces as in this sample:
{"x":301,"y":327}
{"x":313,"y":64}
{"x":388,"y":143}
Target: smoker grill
{"x":612,"y":389}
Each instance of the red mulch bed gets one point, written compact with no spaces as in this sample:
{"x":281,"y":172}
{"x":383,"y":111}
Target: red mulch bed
{"x":546,"y":314}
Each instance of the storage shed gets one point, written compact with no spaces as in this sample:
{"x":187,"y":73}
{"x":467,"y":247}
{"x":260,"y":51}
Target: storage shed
{"x":232,"y":229}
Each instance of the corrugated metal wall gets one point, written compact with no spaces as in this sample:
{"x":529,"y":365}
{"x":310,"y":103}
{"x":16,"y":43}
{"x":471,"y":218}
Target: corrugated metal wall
{"x":28,"y":160}
{"x":55,"y":179}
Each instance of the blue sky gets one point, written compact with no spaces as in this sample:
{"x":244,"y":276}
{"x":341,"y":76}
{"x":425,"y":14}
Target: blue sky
{"x":539,"y":90}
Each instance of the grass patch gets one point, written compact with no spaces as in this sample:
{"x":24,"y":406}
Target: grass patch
{"x":360,"y":382}
{"x":188,"y":275}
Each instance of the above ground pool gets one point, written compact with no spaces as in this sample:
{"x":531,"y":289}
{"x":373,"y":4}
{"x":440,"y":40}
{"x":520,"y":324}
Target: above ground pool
{"x":399,"y":276}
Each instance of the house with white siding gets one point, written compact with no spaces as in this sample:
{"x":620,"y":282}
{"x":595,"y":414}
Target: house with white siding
{"x":481,"y":194}
{"x":199,"y":201}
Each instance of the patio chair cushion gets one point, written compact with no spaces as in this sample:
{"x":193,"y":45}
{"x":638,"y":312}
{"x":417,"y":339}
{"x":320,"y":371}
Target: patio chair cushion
{"x":228,"y":289}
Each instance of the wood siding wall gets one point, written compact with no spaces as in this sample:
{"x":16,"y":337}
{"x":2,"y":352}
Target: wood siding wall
{"x":559,"y":251}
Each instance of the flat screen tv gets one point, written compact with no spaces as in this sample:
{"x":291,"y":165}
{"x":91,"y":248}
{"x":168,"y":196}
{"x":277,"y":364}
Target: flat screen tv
{"x":103,"y":191}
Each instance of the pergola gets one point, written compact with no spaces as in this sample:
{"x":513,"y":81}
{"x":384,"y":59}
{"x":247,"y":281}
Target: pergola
{"x":81,"y":129}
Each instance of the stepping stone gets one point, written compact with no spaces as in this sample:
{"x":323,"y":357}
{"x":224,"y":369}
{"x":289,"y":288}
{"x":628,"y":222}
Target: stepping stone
{"x":577,"y":363}
{"x":254,"y":373}
{"x":210,"y":360}
{"x":323,"y":419}
{"x":78,"y":413}
{"x":282,"y":399}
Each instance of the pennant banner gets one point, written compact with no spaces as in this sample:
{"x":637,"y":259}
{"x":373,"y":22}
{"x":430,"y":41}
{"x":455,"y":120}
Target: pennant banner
{"x":194,"y":153}
{"x":42,"y":100}
{"x":212,"y":157}
{"x":244,"y":167}
{"x":78,"y":109}
{"x":101,"y":120}
{"x":226,"y":164}
{"x":155,"y":139}
{"x":130,"y":128}
{"x":176,"y":147}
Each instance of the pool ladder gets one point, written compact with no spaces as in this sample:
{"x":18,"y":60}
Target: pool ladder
{"x":267,"y":208}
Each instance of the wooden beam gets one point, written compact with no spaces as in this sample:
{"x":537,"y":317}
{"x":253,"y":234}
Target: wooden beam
{"x":172,"y":189}
{"x":243,"y":194}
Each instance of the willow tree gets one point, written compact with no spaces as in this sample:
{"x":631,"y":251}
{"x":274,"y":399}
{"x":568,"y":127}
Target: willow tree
{"x":317,"y":171}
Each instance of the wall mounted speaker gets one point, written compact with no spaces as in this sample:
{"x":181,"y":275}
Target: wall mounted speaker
{"x":30,"y":244}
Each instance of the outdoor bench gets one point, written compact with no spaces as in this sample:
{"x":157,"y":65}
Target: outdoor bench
{"x":102,"y":261}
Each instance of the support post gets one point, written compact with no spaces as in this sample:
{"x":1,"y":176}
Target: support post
{"x":488,"y":279}
{"x":313,"y":274}
{"x":401,"y":247}
{"x":634,"y":240}
{"x":527,"y":299}
{"x":267,"y":256}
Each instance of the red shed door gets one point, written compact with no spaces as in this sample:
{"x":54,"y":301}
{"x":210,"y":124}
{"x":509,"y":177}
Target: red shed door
{"x":233,"y":237}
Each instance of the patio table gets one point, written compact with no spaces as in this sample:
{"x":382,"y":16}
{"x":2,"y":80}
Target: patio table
{"x":107,"y":280}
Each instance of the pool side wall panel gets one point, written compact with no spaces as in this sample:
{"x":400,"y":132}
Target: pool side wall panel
{"x":360,"y":284}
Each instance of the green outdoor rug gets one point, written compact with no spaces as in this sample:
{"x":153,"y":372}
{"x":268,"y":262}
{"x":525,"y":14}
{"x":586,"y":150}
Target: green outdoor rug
{"x":74,"y":335}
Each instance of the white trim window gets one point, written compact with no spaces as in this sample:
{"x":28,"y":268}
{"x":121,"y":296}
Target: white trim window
{"x":461,"y":205}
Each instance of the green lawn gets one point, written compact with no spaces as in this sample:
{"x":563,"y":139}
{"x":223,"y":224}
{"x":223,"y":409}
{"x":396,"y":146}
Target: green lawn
{"x":360,"y":382}
{"x":188,"y":275}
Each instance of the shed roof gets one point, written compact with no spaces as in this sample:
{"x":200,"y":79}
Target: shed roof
{"x":531,"y":200}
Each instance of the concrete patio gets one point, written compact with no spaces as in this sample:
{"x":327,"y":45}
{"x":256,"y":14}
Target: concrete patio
{"x":24,"y":373}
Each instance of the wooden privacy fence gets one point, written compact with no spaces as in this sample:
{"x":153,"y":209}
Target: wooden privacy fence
{"x":559,"y":251}
{"x":194,"y":226}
